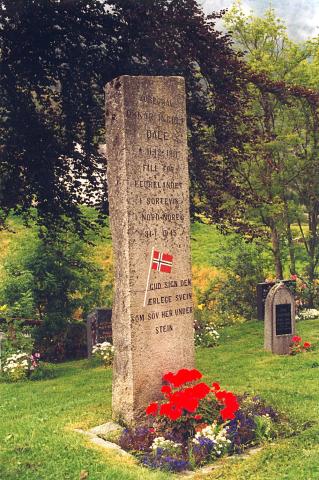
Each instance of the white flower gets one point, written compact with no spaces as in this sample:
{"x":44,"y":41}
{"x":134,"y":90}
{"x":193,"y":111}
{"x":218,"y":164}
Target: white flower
{"x":161,"y":442}
{"x":215,"y":433}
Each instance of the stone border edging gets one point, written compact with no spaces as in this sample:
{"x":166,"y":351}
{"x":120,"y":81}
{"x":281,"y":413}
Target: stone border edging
{"x":109,"y":427}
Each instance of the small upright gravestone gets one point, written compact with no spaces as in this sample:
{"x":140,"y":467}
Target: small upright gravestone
{"x":98,"y":327}
{"x":148,"y":180}
{"x":279,"y":319}
{"x":262,"y":291}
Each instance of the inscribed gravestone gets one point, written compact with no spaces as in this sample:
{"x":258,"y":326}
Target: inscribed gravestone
{"x":98,"y":327}
{"x":149,"y":210}
{"x":262,"y":291}
{"x":279,"y":319}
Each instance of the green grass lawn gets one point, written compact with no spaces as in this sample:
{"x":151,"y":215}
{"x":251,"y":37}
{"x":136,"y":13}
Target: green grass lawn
{"x":37,"y":441}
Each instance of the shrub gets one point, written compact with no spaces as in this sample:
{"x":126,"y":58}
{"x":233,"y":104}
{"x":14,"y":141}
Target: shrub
{"x":104,"y":352}
{"x":231,"y":297}
{"x":44,"y":371}
{"x":51,"y":281}
{"x":206,"y":334}
{"x":19,"y":366}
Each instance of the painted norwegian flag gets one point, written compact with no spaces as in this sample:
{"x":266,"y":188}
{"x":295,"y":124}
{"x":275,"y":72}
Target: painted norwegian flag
{"x":162,"y":262}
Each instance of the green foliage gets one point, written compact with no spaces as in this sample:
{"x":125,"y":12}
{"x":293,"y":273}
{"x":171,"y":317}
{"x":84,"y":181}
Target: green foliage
{"x":232,"y":298}
{"x":44,"y":371}
{"x":52,"y":282}
{"x":281,"y":168}
{"x":17,"y":338}
{"x":206,"y":334}
{"x":264,"y":428}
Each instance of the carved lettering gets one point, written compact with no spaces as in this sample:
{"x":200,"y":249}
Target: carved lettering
{"x":164,"y":328}
{"x":157,"y":135}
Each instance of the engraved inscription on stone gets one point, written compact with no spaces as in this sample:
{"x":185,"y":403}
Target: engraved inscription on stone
{"x":283,"y":319}
{"x":149,"y":209}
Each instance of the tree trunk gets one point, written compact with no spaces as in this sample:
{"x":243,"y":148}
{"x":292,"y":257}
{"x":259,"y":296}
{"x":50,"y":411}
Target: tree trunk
{"x":290,"y":240}
{"x":312,"y":252}
{"x":275,"y":243}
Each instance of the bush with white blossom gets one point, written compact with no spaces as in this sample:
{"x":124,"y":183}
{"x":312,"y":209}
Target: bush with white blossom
{"x":105,"y":352}
{"x":206,"y":336}
{"x":308,"y":314}
{"x":20,"y":365}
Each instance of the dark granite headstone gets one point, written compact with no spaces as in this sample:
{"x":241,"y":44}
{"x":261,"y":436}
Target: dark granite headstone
{"x":283,"y":319}
{"x":262,"y":292}
{"x":99,"y":327}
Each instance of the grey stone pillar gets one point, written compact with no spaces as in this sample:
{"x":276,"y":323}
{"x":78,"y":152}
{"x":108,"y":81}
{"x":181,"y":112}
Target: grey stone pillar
{"x":146,"y":149}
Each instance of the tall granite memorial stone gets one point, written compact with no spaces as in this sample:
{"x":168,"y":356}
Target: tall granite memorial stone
{"x":149,"y":210}
{"x":279,"y":319}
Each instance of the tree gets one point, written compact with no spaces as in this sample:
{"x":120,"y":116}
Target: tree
{"x":284,"y":155}
{"x":51,"y":282}
{"x":57,"y":57}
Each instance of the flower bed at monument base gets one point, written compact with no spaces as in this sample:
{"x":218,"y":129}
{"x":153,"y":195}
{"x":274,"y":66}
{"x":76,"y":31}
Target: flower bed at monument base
{"x":197,"y":423}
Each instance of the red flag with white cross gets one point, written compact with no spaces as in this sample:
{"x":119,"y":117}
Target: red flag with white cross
{"x":162,"y":262}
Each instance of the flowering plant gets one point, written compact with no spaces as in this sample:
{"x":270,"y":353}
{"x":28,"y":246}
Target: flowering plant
{"x":105,"y":352}
{"x":184,"y":402}
{"x":298,"y":346}
{"x":214,"y":436}
{"x":196,"y":423}
{"x":20,"y":365}
{"x":308,"y":314}
{"x":206,"y":335}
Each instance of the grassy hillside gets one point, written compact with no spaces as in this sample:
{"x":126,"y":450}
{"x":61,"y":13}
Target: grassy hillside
{"x":206,"y":243}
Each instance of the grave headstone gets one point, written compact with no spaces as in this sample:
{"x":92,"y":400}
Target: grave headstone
{"x":98,"y":327}
{"x":262,"y":291}
{"x":279,"y":319}
{"x":146,"y":151}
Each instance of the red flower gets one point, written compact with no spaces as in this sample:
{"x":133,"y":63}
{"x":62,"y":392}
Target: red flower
{"x":185,"y":399}
{"x":166,"y":389}
{"x":198,"y":417}
{"x":231,"y":405}
{"x":293,"y":277}
{"x":306,"y":345}
{"x":170,"y":411}
{"x":168,"y":377}
{"x":220,"y":395}
{"x":152,"y":409}
{"x":151,"y":430}
{"x":216,"y":386}
{"x":296,"y":339}
{"x":227,"y":413}
{"x":201,"y":390}
{"x":182,"y":376}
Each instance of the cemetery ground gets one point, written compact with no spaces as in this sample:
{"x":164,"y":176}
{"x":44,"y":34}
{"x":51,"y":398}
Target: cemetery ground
{"x":38,"y":418}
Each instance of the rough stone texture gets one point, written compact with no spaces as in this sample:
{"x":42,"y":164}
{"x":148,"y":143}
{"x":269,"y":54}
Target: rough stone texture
{"x":106,"y":428}
{"x":146,"y":151}
{"x":98,"y":327}
{"x":104,"y":443}
{"x":279,"y":297}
